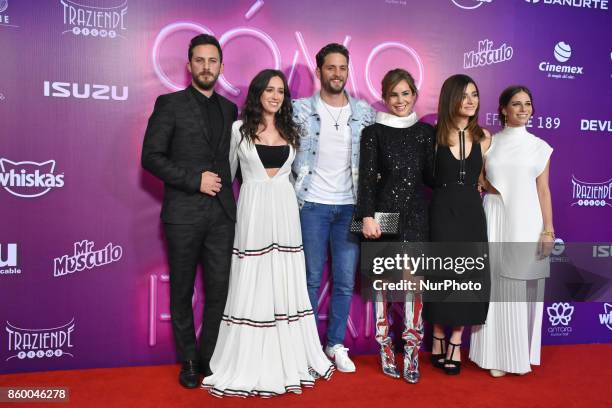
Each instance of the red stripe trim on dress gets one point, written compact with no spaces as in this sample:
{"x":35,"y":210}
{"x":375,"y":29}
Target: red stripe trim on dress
{"x":267,"y":323}
{"x":296,"y":389}
{"x":262,"y":251}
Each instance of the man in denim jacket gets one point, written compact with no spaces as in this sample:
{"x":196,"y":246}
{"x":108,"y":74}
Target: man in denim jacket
{"x":326,"y":171}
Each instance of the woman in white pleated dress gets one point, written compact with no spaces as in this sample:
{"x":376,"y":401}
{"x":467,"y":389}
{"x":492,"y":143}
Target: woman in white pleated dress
{"x":268,"y":342}
{"x":519,"y":222}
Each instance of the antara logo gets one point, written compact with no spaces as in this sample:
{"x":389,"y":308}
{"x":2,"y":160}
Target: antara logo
{"x":29,"y":179}
{"x":84,"y":91}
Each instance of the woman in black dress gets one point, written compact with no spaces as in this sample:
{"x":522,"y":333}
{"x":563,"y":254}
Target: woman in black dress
{"x":457,"y":215}
{"x":395,"y":155}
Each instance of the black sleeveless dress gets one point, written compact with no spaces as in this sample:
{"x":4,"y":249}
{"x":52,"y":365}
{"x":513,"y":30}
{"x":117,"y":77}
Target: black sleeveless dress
{"x":456,"y":215}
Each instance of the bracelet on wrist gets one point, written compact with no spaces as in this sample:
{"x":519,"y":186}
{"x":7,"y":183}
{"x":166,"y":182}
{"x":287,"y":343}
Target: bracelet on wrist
{"x":549,"y":233}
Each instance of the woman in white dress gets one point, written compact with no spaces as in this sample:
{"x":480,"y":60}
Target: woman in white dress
{"x":519,"y":214}
{"x":268,"y":342}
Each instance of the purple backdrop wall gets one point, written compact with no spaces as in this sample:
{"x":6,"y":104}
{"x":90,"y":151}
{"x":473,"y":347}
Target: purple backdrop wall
{"x":79,"y":79}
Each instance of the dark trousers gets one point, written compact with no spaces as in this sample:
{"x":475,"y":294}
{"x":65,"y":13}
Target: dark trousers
{"x":207,"y":242}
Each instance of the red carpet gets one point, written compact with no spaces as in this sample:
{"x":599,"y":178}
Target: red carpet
{"x":571,"y":376}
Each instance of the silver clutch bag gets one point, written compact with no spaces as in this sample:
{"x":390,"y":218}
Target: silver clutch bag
{"x":389,"y":223}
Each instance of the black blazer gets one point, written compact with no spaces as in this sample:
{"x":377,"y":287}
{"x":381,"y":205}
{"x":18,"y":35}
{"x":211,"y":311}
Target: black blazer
{"x":177,"y":149}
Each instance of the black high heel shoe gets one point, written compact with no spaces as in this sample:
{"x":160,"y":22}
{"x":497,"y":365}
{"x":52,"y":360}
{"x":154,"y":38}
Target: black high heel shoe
{"x":452,"y":367}
{"x":437,"y":360}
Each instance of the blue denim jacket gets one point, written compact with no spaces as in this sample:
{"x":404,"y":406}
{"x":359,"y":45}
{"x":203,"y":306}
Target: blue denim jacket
{"x":306,"y":115}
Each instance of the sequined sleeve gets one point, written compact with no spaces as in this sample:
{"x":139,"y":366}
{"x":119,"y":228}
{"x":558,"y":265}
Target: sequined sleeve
{"x":368,"y":173}
{"x":428,"y":151}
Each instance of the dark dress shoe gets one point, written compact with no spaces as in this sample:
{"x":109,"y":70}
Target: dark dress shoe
{"x":189,"y":377}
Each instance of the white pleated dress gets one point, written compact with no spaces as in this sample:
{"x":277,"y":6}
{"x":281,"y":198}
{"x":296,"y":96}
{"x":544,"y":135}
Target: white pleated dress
{"x":510,"y":339}
{"x":268,"y":342}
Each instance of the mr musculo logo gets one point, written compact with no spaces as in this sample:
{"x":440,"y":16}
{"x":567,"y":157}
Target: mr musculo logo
{"x":487,"y":55}
{"x":85,"y":257}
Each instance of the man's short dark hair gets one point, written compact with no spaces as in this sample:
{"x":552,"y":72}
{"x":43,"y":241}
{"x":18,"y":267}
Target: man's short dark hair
{"x":331,"y":49}
{"x":204,"y":39}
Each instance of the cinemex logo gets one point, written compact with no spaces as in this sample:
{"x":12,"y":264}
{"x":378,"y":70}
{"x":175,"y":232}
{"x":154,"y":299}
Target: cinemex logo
{"x":557,"y":251}
{"x":93,"y":21}
{"x":487,"y":55}
{"x":29,"y":179}
{"x":562,"y":53}
{"x":605,"y":318}
{"x":594,"y":125}
{"x":559,"y":316}
{"x":591,"y":194}
{"x":470,"y":4}
{"x":39,"y":343}
{"x":595,"y":4}
{"x":84,"y":91}
{"x":85,"y":257}
{"x":8,"y":260}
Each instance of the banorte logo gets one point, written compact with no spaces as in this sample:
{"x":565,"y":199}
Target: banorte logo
{"x":39,"y":343}
{"x":470,"y":4}
{"x":94,"y":20}
{"x":595,"y":4}
{"x":28,"y":179}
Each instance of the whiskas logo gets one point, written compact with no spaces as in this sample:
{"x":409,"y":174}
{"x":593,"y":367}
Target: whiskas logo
{"x":591,"y":194}
{"x":559,"y":316}
{"x":40,"y":343}
{"x":85,"y":257}
{"x":29,"y":179}
{"x":104,"y":22}
{"x":8,"y":260}
{"x":84,"y":91}
{"x":487,"y":55}
{"x":605,"y":318}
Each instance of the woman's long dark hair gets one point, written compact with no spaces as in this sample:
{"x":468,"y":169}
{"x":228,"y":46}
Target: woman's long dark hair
{"x":449,"y":104}
{"x":252,"y":113}
{"x":507,"y":94}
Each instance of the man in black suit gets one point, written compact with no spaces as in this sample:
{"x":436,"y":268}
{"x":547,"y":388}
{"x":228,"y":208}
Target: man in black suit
{"x":186,"y":145}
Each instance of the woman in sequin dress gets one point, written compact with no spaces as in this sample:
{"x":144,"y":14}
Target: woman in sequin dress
{"x":395,"y":155}
{"x":457,"y":216}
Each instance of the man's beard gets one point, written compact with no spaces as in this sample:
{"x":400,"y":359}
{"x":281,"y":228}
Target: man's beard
{"x":327,"y":85}
{"x":202,"y":84}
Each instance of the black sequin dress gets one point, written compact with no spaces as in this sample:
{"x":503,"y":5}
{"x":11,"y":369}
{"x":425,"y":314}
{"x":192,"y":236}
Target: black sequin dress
{"x":392,"y":168}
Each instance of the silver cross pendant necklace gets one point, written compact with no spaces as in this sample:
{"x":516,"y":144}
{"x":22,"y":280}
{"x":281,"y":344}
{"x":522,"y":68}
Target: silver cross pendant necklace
{"x":336,"y":125}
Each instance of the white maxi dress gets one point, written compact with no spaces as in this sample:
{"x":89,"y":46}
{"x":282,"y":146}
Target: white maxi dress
{"x":268,"y":342}
{"x":510,"y":339}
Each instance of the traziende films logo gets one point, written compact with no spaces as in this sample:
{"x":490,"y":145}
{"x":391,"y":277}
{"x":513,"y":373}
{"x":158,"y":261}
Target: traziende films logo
{"x":94,"y":21}
{"x":39,"y":343}
{"x":587,"y":194}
